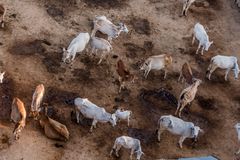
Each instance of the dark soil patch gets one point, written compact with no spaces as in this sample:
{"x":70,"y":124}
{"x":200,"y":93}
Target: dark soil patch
{"x":85,"y":121}
{"x":52,"y":62}
{"x":54,"y":11}
{"x":55,"y":96}
{"x":148,"y":45}
{"x":146,"y":137}
{"x":82,"y":75}
{"x":141,"y":26}
{"x":107,"y":4}
{"x":207,"y":103}
{"x":6,"y":96}
{"x":101,"y":35}
{"x":134,"y":50}
{"x":216,"y":4}
{"x":28,"y":48}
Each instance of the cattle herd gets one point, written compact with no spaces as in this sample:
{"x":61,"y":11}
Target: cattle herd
{"x":85,"y":108}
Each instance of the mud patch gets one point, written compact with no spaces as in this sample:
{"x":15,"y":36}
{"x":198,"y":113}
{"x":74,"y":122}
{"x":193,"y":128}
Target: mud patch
{"x":85,"y":121}
{"x":141,"y":26}
{"x":52,"y":62}
{"x":29,"y":48}
{"x":145,"y":136}
{"x":148,"y":45}
{"x":82,"y":75}
{"x":6,"y":96}
{"x":55,"y":12}
{"x":134,"y":50}
{"x":107,"y":4}
{"x":207,"y":103}
{"x":55,"y":96}
{"x":216,"y":4}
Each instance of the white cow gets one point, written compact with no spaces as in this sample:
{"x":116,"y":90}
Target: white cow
{"x":178,"y":127}
{"x":237,"y":127}
{"x":129,"y":143}
{"x":102,"y":24}
{"x":186,"y":5}
{"x":77,"y":45}
{"x":157,"y":62}
{"x":1,"y":77}
{"x":200,"y":33}
{"x":223,"y":62}
{"x":92,"y":111}
{"x":100,"y":44}
{"x":123,"y":115}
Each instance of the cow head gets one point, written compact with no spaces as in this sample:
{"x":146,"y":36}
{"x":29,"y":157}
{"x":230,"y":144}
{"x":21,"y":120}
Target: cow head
{"x":113,"y":119}
{"x":195,"y":131}
{"x":139,"y":154}
{"x":123,"y":27}
{"x":168,"y":59}
{"x":66,"y":56}
{"x":207,"y":45}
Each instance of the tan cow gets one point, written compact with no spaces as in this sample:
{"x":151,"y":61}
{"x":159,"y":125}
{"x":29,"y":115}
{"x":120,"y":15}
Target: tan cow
{"x":36,"y":101}
{"x":187,"y":96}
{"x":18,"y":116}
{"x":53,"y":129}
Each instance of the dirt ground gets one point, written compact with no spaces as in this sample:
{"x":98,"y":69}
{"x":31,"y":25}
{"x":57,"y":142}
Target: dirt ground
{"x":31,"y":51}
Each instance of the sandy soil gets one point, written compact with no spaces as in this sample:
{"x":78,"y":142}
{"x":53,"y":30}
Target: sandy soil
{"x":31,"y":50}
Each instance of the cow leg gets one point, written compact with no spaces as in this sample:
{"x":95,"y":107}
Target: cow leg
{"x":214,"y":67}
{"x":118,"y":147}
{"x":110,"y":39}
{"x":101,"y":58}
{"x":186,"y":10}
{"x":113,"y":148}
{"x":160,"y":130}
{"x":180,"y":110}
{"x":202,"y":51}
{"x":94,"y":123}
{"x":146,"y":73}
{"x":176,"y":112}
{"x":128,"y":120}
{"x":132,"y":152}
{"x":165,"y":73}
{"x":199,"y":45}
{"x":237,"y":152}
{"x":180,"y":76}
{"x":120,"y":81}
{"x":193,"y":38}
{"x":183,"y":10}
{"x":77,"y":116}
{"x":180,"y":142}
{"x":226,"y":74}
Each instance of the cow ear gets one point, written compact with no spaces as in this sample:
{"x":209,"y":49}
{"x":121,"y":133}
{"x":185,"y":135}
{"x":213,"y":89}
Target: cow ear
{"x":64,"y":49}
{"x":201,"y":130}
{"x":3,"y":73}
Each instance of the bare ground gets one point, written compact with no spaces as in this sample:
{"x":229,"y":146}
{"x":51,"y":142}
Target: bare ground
{"x":30,"y":52}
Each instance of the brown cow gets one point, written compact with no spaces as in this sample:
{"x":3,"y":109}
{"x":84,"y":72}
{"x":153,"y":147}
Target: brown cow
{"x":186,"y":74}
{"x":18,"y":116}
{"x":54,"y":129}
{"x":124,"y":75}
